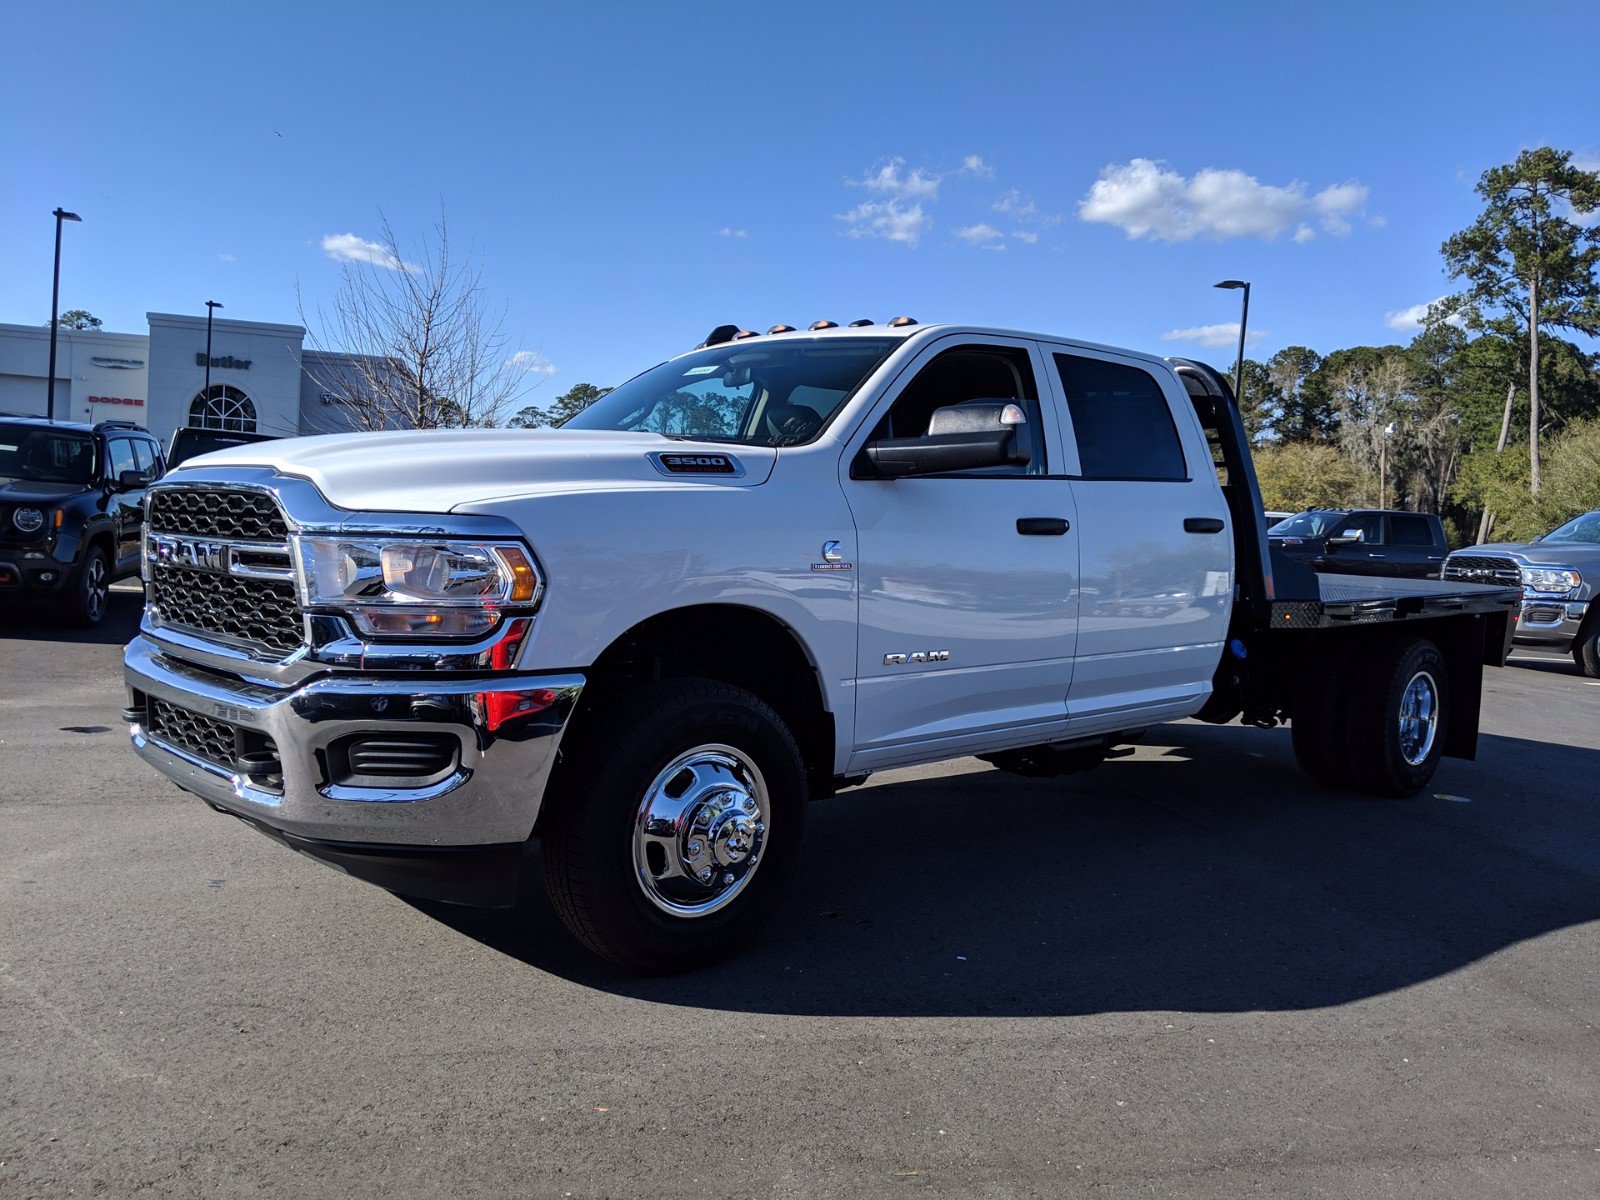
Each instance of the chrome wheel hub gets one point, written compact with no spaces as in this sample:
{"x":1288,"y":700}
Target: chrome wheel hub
{"x":700,"y":831}
{"x":1419,"y":718}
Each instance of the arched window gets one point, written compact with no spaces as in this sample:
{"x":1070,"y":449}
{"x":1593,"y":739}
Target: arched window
{"x":223,"y":407}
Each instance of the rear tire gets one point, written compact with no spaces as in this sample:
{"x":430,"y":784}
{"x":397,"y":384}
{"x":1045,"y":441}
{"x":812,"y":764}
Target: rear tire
{"x":88,"y":591}
{"x":660,"y":789}
{"x":1399,"y":718}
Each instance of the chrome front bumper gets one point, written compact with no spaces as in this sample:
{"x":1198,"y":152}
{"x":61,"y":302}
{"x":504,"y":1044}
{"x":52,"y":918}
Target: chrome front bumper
{"x":1550,"y":622}
{"x":491,"y":798}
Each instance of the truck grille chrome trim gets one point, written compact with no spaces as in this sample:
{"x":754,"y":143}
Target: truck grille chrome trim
{"x":1474,"y":568}
{"x":219,"y":567}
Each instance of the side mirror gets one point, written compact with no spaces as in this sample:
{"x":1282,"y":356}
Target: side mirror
{"x":961,"y":437}
{"x":130,"y":481}
{"x":1347,"y":537}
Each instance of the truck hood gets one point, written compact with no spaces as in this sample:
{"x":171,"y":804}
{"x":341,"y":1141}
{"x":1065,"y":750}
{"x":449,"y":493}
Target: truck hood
{"x":1541,"y":554}
{"x":434,"y":471}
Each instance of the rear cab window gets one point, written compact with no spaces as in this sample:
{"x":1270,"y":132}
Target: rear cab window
{"x":1121,"y":420}
{"x":1410,"y":531}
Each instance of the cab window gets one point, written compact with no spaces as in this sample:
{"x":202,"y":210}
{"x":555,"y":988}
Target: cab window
{"x":119,"y":454}
{"x":1121,"y":420}
{"x":1410,"y":531}
{"x":960,"y":376}
{"x":1369,"y":525}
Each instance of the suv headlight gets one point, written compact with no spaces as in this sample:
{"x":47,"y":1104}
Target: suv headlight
{"x":1550,"y":580}
{"x":28,"y":520}
{"x":408,"y":587}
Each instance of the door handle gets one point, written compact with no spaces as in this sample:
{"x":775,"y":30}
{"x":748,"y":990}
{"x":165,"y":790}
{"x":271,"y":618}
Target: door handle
{"x":1202,"y":524}
{"x":1373,"y":554}
{"x":1043,"y":526}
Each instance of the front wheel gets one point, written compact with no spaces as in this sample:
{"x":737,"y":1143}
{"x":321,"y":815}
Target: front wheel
{"x":1586,"y":650}
{"x":673,"y":824}
{"x":89,"y":591}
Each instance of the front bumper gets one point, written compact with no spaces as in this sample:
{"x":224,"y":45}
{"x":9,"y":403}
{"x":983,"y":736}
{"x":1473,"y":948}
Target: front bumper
{"x":1550,"y":623}
{"x":31,"y":572}
{"x":509,"y":727}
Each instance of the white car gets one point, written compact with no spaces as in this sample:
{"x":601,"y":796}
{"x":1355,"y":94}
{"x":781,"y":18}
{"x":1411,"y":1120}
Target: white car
{"x":748,"y":577}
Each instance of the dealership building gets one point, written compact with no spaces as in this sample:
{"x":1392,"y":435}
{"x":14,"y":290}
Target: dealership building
{"x":263,"y":378}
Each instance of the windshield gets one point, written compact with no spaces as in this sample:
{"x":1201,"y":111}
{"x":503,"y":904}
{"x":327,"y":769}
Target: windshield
{"x":1307,"y":524}
{"x":1580,"y":529}
{"x":770,"y":393}
{"x":39,"y":454}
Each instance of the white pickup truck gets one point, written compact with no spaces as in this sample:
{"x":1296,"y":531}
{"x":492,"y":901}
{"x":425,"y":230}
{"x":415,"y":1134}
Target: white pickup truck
{"x":747,"y":578}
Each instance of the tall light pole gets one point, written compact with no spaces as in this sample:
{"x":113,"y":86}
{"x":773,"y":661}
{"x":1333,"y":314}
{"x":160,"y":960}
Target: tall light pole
{"x":1238,"y":366}
{"x":211,"y":307}
{"x":60,"y":215}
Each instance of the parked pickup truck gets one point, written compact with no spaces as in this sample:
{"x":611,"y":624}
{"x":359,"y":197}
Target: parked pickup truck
{"x":1364,"y":541}
{"x":750,"y":577}
{"x":1559,"y":574}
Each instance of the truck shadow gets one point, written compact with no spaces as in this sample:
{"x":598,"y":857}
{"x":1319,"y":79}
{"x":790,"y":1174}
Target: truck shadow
{"x":1210,"y":876}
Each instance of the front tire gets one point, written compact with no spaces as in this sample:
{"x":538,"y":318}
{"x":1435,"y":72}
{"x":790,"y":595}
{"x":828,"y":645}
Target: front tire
{"x":673,"y":824}
{"x":1586,"y":651}
{"x":89,"y":593}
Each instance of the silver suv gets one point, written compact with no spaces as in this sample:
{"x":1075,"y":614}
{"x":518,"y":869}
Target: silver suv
{"x":1559,"y":573}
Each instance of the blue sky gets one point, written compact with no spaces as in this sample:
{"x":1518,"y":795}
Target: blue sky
{"x":631,"y":175}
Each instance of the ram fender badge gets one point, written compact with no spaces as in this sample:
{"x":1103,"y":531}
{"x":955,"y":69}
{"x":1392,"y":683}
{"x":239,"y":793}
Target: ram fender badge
{"x":916,"y":656}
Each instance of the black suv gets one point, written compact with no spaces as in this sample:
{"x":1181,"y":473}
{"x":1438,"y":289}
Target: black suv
{"x":1364,"y":541}
{"x":72,"y":510}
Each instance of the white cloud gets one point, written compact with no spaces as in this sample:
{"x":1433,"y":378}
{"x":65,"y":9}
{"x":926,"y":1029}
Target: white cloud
{"x":347,"y":247}
{"x":889,"y":180}
{"x":893,"y":220}
{"x":726,"y":231}
{"x":1020,"y":206}
{"x":1026,"y":236}
{"x":1146,"y":200}
{"x":976,"y":167}
{"x":1216,"y":336}
{"x":984,"y":236}
{"x":533,"y":363}
{"x":1304,"y":233}
{"x":226,"y":258}
{"x":1405,"y":320}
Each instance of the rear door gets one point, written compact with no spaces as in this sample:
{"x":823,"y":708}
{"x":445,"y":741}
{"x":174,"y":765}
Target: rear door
{"x":1414,"y":546}
{"x":1155,"y":551}
{"x":967,"y":580}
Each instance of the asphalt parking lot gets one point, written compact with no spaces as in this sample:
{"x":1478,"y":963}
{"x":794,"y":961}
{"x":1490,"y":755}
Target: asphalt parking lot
{"x":1189,"y":973}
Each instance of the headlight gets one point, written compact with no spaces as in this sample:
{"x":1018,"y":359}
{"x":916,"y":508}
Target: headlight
{"x":29,"y":520}
{"x":1553,"y":580}
{"x":406,"y":587}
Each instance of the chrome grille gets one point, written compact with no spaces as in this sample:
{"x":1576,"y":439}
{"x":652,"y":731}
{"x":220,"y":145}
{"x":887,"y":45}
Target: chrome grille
{"x":202,"y":736}
{"x":261,"y":612}
{"x":220,"y":568}
{"x":1473,"y":568}
{"x":206,"y":512}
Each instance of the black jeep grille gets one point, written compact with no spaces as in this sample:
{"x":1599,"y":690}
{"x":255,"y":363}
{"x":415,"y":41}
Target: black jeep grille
{"x":1472,"y":568}
{"x":202,"y":736}
{"x":203,"y":512}
{"x":263,"y":612}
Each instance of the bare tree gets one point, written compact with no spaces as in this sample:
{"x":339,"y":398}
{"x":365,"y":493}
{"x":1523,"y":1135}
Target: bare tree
{"x":1369,"y":398}
{"x":413,"y":344}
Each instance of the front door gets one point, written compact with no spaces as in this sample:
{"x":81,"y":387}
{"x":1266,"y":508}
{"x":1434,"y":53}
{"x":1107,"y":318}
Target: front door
{"x":126,"y":506}
{"x":966,"y":580}
{"x":1365,"y":553}
{"x":1155,"y":548}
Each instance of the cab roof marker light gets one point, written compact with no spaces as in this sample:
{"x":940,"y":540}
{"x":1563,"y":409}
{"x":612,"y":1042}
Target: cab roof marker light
{"x":861,"y":322}
{"x":815,"y":325}
{"x":780,"y":329}
{"x":902,"y":322}
{"x":745,"y":333}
